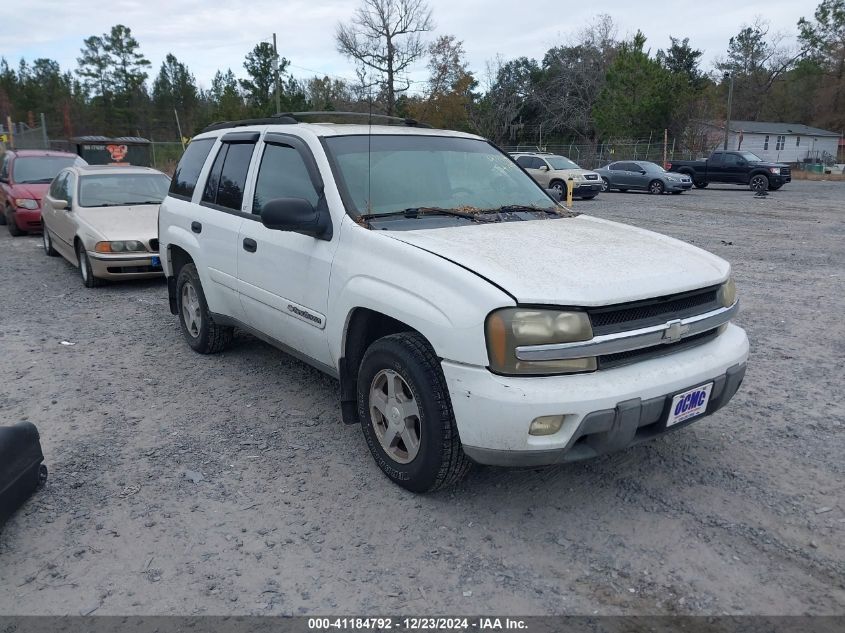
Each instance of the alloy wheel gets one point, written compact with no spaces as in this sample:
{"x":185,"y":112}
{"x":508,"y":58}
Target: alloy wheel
{"x":395,"y":416}
{"x":191,"y":310}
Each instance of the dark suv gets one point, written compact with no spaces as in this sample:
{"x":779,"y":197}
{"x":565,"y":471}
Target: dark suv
{"x":25,"y":176}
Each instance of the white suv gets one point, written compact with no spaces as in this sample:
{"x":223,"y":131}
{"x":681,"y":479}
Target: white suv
{"x":467,"y":316}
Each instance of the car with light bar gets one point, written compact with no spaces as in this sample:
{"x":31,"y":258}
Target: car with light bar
{"x":103,"y":219}
{"x":467,"y":315}
{"x":25,"y":176}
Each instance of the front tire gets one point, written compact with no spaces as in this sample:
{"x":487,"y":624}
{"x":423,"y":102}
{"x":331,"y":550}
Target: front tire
{"x":198,"y":327}
{"x":560,"y":187}
{"x":14,"y":230}
{"x":406,"y":414}
{"x":605,"y":184}
{"x":85,"y":271}
{"x":47,"y":241}
{"x":759,"y":183}
{"x":656,"y":187}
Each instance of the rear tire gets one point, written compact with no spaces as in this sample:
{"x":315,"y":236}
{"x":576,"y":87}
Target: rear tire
{"x":85,"y":271}
{"x":759,"y":183}
{"x":406,"y":414}
{"x":47,"y":241}
{"x":14,"y":231}
{"x":198,"y":327}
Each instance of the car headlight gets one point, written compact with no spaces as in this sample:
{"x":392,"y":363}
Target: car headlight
{"x":132,"y":246}
{"x":775,"y":170}
{"x":672,"y":178}
{"x":727,"y":293}
{"x":510,"y":328}
{"x":26,"y":203}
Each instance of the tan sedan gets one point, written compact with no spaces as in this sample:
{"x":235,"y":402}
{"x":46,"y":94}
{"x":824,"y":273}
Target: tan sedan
{"x":104,"y":219}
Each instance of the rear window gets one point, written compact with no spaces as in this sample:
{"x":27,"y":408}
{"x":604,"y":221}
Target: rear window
{"x":188,"y":171}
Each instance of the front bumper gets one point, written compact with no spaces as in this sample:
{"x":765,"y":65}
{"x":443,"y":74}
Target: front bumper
{"x":138,"y":266}
{"x":28,"y":219}
{"x":590,"y":188}
{"x":604,"y":411}
{"x":678,"y":186}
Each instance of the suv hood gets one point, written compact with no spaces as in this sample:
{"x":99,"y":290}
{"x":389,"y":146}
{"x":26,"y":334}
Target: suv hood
{"x":581,"y":261}
{"x":573,"y":172}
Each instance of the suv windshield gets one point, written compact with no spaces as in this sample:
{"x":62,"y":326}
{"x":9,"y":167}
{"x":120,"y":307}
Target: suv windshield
{"x":561,"y":162}
{"x":384,"y":174}
{"x":114,"y":190}
{"x":41,"y":169}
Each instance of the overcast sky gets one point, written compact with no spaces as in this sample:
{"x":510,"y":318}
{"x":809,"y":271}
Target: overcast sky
{"x":209,"y":34}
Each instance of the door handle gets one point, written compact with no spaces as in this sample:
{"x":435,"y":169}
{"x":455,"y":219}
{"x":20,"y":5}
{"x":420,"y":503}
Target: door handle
{"x":250,"y":245}
{"x":196,"y":227}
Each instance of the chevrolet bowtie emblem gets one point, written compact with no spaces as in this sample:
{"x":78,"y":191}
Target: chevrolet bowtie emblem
{"x":674,"y":331}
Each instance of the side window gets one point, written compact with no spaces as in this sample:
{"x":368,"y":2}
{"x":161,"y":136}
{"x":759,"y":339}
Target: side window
{"x":232,"y":176}
{"x":616,"y":167}
{"x":56,"y":186}
{"x":524,"y":162}
{"x":209,"y":192}
{"x":282,"y":174}
{"x":69,"y":188}
{"x":188,"y":171}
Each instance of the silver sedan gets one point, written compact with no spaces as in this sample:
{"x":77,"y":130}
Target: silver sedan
{"x":644,"y":176}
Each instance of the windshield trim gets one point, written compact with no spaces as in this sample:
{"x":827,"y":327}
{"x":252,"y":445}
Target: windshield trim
{"x":346,"y":196}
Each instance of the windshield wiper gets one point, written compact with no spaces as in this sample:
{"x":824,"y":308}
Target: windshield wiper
{"x":511,"y":208}
{"x":415,"y":212}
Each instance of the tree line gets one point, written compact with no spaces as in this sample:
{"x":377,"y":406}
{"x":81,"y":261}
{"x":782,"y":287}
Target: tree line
{"x":593,"y":87}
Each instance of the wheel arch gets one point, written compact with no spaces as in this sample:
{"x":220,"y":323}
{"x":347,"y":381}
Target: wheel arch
{"x":363,"y":326}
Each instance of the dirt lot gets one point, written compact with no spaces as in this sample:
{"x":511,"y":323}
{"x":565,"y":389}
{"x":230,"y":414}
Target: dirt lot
{"x":185,"y":484}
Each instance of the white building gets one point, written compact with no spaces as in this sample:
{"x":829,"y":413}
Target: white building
{"x":780,"y":142}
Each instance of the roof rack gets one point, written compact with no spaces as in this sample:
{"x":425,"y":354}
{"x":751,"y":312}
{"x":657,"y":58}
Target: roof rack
{"x":321,"y":116}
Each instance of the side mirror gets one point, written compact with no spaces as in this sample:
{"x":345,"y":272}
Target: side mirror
{"x":642,"y":171}
{"x":297,"y":215}
{"x":544,"y":168}
{"x":58,"y":205}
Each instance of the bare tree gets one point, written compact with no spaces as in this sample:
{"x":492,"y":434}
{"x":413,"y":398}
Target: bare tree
{"x":385,"y":36}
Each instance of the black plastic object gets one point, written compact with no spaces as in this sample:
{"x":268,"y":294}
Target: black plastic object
{"x":21,"y":466}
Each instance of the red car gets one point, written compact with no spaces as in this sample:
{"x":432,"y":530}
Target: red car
{"x":25,"y":176}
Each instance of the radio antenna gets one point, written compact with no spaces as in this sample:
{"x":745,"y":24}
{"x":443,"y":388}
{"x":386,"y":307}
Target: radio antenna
{"x":369,"y":148}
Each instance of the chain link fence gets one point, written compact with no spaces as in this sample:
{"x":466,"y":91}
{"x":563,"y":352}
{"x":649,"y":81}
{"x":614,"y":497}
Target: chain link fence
{"x":22,"y":136}
{"x":592,"y":156}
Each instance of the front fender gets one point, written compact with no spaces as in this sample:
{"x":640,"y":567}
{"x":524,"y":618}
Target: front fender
{"x":444,"y":302}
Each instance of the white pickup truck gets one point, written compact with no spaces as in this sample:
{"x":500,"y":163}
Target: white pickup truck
{"x":467,"y":315}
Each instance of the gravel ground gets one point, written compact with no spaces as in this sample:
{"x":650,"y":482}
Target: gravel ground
{"x":187,"y":484}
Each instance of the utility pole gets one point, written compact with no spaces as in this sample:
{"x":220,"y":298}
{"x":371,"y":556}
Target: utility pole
{"x":730,"y":101}
{"x":277,"y":90}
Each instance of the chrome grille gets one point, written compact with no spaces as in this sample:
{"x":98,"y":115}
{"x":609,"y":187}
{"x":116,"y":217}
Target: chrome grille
{"x":638,"y":314}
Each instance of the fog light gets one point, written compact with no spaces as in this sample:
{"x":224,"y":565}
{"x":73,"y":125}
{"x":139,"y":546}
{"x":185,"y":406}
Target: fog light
{"x":546,"y":425}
